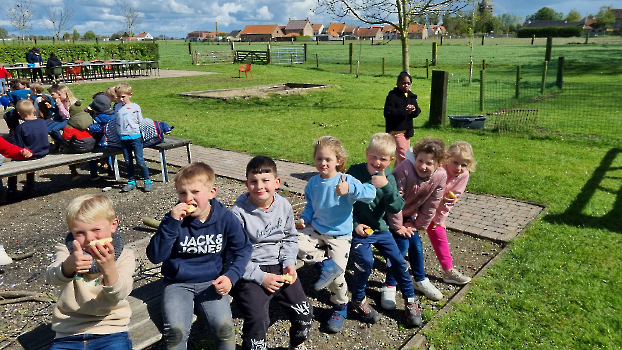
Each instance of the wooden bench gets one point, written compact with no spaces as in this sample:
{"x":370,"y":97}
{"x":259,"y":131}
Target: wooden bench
{"x":55,"y":160}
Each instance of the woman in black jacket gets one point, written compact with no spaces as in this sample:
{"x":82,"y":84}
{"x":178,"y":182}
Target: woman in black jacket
{"x":400,"y":109}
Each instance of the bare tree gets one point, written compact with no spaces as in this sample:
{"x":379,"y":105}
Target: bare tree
{"x":397,"y":13}
{"x":20,"y":15}
{"x":131,"y":17}
{"x":59,"y":20}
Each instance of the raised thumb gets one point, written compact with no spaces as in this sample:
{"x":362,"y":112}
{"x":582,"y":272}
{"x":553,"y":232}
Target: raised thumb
{"x":77,"y":247}
{"x":343,"y":178}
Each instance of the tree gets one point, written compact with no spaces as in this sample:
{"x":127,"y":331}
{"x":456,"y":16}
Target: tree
{"x":397,"y":13}
{"x":58,"y":20}
{"x":458,"y":23}
{"x":20,"y":15}
{"x":605,"y":18}
{"x":131,"y":17}
{"x":510,"y":22}
{"x":76,"y":35}
{"x":3,"y":33}
{"x":89,"y":35}
{"x":66,"y":36}
{"x":545,"y":14}
{"x":573,"y":16}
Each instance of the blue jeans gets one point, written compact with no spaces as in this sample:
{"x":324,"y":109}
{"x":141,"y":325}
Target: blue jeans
{"x":179,"y":300}
{"x":134,"y":148}
{"x":364,"y":262}
{"x":114,"y":341}
{"x":55,"y":123}
{"x":414,"y":248}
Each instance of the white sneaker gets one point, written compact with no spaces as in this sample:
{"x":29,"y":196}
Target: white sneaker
{"x":387,"y":300}
{"x":455,"y":277}
{"x":428,"y":289}
{"x":4,"y":258}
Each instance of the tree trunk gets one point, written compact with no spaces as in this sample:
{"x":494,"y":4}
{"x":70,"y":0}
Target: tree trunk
{"x":405,"y":55}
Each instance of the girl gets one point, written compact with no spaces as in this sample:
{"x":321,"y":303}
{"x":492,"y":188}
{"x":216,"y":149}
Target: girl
{"x":422,"y":185}
{"x":327,"y":222}
{"x":63,"y":98}
{"x":459,"y":164}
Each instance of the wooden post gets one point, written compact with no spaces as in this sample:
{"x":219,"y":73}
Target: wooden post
{"x":194,"y":58}
{"x":383,"y":66}
{"x":441,"y":40}
{"x":587,"y":35}
{"x":190,"y":48}
{"x":533,"y":37}
{"x":358,"y":65}
{"x":305,"y":50}
{"x":484,"y":64}
{"x":96,"y":41}
{"x":351,"y":56}
{"x":343,"y":40}
{"x":317,"y":62}
{"x":517,"y":94}
{"x":232,"y":46}
{"x":483,"y":36}
{"x":438,"y":98}
{"x":427,"y":68}
{"x":482,"y":88}
{"x":372,"y":41}
{"x":434,"y":46}
{"x":544,"y":68}
{"x":549,"y":46}
{"x":560,"y":72}
{"x":269,"y":48}
{"x":291,"y":59}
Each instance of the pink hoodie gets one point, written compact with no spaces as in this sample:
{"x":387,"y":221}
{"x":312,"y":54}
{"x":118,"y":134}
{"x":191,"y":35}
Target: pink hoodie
{"x":457,"y":185}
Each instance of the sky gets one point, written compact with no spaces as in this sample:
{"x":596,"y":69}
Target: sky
{"x":178,"y":17}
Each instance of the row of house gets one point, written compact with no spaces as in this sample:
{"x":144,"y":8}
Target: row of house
{"x":588,"y":24}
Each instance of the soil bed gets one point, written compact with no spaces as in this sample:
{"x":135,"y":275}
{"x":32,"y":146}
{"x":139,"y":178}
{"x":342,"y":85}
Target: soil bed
{"x":256,"y":91}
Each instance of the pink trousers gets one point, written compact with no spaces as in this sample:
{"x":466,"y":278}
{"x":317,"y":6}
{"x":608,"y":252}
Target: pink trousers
{"x":402,"y":144}
{"x":438,"y":238}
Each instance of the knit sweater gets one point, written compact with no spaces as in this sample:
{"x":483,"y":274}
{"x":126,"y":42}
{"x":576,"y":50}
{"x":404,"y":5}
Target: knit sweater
{"x":33,"y":134}
{"x":128,"y":118}
{"x":85,"y":305}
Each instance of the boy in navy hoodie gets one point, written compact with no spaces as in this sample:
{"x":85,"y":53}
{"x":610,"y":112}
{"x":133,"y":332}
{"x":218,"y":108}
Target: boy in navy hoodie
{"x":192,"y":243}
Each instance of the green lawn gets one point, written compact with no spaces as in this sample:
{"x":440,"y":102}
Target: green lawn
{"x":559,"y":284}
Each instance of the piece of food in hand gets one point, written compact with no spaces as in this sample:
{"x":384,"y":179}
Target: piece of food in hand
{"x":287,"y":277}
{"x":451,"y":195}
{"x":103,"y":241}
{"x":369,"y":231}
{"x":191,"y":208}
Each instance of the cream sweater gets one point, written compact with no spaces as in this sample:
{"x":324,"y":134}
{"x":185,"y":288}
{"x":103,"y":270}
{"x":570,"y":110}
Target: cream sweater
{"x":85,"y":305}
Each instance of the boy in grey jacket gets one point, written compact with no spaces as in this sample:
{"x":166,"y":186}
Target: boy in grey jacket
{"x":271,"y":272}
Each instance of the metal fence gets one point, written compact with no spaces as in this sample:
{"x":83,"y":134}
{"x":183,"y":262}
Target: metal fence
{"x":287,"y":55}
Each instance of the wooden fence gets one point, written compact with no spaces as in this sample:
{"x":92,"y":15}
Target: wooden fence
{"x":256,"y":57}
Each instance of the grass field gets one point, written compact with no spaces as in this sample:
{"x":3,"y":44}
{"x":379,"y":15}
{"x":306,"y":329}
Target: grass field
{"x":558,"y":285}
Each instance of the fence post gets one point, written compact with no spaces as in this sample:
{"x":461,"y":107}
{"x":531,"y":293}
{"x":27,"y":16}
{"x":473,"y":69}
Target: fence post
{"x":305,"y":48}
{"x":269,"y":53}
{"x":317,"y":62}
{"x":434,"y":45}
{"x":544,"y":67}
{"x":484,"y":64}
{"x":372,"y":41}
{"x":533,"y":37}
{"x":560,"y":72}
{"x":441,"y":39}
{"x":194,"y":57}
{"x":517,"y":94}
{"x":438,"y":98}
{"x":549,"y":46}
{"x":358,"y":65}
{"x":427,"y":68}
{"x":383,"y":66}
{"x":350,"y":56}
{"x":482,"y":88}
{"x":190,"y":48}
{"x":232,"y":45}
{"x":587,"y":35}
{"x":483,"y":36}
{"x":343,"y":40}
{"x":291,"y":59}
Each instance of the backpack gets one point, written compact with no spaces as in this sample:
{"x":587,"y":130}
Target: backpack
{"x":153,"y":132}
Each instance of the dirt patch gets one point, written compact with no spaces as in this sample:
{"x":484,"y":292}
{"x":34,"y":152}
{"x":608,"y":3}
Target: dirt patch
{"x":256,"y":91}
{"x":37,"y":224}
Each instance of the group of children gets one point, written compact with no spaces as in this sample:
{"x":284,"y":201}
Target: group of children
{"x":250,"y":251}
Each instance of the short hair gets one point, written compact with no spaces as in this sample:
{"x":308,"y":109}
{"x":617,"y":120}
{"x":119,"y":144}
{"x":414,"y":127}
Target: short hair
{"x":25,"y":108}
{"x":38,"y":88}
{"x":14,"y":84}
{"x":334,"y":145}
{"x":36,"y":49}
{"x":464,"y":150}
{"x":433,"y":146}
{"x":55,"y":88}
{"x":196,"y":172}
{"x":403,"y":75}
{"x":24,"y":81}
{"x":261,"y":165}
{"x":383,"y":143}
{"x":110,"y":92}
{"x":123,"y":88}
{"x":90,"y":208}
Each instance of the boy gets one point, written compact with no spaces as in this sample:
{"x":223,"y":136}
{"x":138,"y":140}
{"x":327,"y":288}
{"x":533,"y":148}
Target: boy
{"x":128,"y":117}
{"x":95,"y":279}
{"x":271,"y":272}
{"x":371,"y":228}
{"x":36,"y":91}
{"x":192,"y":243}
{"x":31,"y":134}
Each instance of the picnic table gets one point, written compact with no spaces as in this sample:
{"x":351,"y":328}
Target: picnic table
{"x":88,"y":69}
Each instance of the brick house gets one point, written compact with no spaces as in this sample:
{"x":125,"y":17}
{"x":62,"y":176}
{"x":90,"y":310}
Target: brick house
{"x":300,"y":26}
{"x":368,"y":33}
{"x":317,"y":29}
{"x":336,"y":29}
{"x":417,"y":31}
{"x":261,"y":33}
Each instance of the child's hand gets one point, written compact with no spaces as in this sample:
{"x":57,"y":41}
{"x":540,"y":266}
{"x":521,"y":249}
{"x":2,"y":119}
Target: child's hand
{"x":103,"y":255}
{"x":291,"y":269}
{"x":26,"y":153}
{"x":77,"y":262}
{"x":223,"y":285}
{"x":449,"y":197}
{"x":379,"y":180}
{"x":181,"y":210}
{"x":342,"y":188}
{"x":272,"y":282}
{"x":300,"y":223}
{"x":405,"y":231}
{"x":360,"y":230}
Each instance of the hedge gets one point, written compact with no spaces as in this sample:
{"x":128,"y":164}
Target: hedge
{"x":559,"y":32}
{"x":144,"y":51}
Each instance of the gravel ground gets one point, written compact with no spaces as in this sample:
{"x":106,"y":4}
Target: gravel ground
{"x":36,"y":224}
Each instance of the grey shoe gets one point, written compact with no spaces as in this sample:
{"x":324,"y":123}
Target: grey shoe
{"x":130,"y":186}
{"x":455,"y":277}
{"x":428,"y":289}
{"x":367,"y":312}
{"x":413,"y":314}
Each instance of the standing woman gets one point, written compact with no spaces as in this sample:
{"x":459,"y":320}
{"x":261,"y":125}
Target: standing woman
{"x":400,"y":109}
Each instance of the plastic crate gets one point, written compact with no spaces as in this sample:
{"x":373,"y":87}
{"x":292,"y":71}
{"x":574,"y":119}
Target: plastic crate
{"x":467,"y":121}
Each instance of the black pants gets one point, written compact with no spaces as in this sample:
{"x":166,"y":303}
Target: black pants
{"x":253,"y":302}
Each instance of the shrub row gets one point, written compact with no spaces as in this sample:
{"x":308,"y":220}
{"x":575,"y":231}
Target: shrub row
{"x":144,"y":51}
{"x":558,"y":32}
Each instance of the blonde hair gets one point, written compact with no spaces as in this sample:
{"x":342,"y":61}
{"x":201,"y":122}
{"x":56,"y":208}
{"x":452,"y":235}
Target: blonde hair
{"x":433,"y":146}
{"x":196,"y":172}
{"x":25,"y":108}
{"x":123,"y":88}
{"x":334,"y":145}
{"x":383,"y":143}
{"x":90,"y":208}
{"x":111,"y":93}
{"x":37,"y":88}
{"x":464,"y":150}
{"x":63,"y":89}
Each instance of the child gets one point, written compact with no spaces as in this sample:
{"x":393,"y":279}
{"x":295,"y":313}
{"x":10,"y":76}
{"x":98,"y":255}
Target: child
{"x":63,"y":99}
{"x":4,"y":75}
{"x":460,"y":162}
{"x":269,"y":222}
{"x":100,"y":108}
{"x":112,"y":96}
{"x":128,"y":117}
{"x":95,"y":278}
{"x":421,"y":185}
{"x":327,"y":222}
{"x":31,"y":134}
{"x":370,"y":228}
{"x":192,"y":243}
{"x":77,"y":138}
{"x":36,"y":91}
{"x":18,"y":92}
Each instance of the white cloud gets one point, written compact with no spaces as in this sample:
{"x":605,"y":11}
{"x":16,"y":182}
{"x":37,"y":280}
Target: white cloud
{"x":261,"y":14}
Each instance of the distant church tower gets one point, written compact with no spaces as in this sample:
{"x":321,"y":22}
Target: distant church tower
{"x":486,"y":5}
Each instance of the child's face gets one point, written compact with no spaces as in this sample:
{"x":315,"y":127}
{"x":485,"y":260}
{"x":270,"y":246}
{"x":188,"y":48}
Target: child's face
{"x":197,"y":194}
{"x":261,"y":188}
{"x":404,"y":85}
{"x":124,"y":98}
{"x":376,"y":161}
{"x":425,"y":165}
{"x":62,"y":96}
{"x":84,"y":232}
{"x":54,"y":95}
{"x":326,"y":162}
{"x":456,"y":165}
